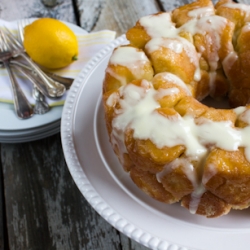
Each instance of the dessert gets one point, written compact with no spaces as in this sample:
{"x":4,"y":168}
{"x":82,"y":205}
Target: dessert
{"x":174,"y":147}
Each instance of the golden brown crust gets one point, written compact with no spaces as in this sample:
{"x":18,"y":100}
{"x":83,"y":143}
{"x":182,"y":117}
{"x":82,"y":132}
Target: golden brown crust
{"x":227,"y":175}
{"x":209,"y":205}
{"x":147,"y":156}
{"x":149,"y":184}
{"x":180,"y":15}
{"x":223,"y":57}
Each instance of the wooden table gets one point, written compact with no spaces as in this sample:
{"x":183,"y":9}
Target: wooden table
{"x":40,"y":205}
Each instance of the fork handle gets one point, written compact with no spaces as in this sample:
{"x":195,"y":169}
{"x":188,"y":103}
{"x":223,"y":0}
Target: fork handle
{"x":66,"y":81}
{"x":23,"y":108}
{"x":55,"y":89}
{"x":32,"y":77}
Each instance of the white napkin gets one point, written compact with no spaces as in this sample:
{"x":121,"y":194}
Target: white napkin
{"x":89,"y":45}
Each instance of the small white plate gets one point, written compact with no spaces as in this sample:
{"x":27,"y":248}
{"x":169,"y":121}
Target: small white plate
{"x":23,"y":130}
{"x":101,"y":179}
{"x":29,"y":132}
{"x":28,"y":138}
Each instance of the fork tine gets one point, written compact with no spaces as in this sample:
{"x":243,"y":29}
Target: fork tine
{"x":11,"y":38}
{"x":21,"y":25}
{"x":20,"y":30}
{"x":4,"y":43}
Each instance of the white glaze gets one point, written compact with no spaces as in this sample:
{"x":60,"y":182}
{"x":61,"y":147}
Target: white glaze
{"x":112,"y":99}
{"x":186,"y":166}
{"x":229,"y":61}
{"x":131,"y":58}
{"x":195,"y":198}
{"x":159,"y":42}
{"x":243,"y":7}
{"x":158,"y":25}
{"x":139,"y":104}
{"x":200,"y":12}
{"x":245,"y":116}
{"x":177,"y":45}
{"x":138,"y":107}
{"x":165,"y":92}
{"x":157,"y":28}
{"x":239,"y":110}
{"x":169,"y":77}
{"x":118,"y":77}
{"x":212,"y":171}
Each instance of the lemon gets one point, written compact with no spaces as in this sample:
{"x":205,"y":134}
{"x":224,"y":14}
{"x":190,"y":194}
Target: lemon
{"x":50,"y":43}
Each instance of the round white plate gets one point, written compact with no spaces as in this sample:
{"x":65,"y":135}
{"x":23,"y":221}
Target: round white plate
{"x":11,"y":122}
{"x":33,"y":131}
{"x":105,"y":185}
{"x":28,"y":138}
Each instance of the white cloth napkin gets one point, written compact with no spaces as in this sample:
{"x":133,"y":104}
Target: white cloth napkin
{"x":89,"y":45}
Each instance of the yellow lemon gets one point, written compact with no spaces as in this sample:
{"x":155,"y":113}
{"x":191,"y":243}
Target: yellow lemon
{"x":50,"y":43}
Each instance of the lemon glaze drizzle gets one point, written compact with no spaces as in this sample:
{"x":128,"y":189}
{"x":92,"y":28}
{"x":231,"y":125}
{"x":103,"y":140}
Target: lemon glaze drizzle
{"x":139,"y":104}
{"x":138,"y":107}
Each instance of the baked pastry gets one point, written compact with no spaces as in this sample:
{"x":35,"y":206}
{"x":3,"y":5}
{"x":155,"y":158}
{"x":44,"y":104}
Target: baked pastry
{"x":175,"y":148}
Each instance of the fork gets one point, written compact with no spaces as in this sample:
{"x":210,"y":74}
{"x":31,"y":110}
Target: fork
{"x":41,"y":106}
{"x":22,"y":107}
{"x":54,"y":88}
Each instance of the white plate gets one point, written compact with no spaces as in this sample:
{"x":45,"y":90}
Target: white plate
{"x":11,"y":122}
{"x":100,"y":178}
{"x":28,"y":138}
{"x":30,"y":132}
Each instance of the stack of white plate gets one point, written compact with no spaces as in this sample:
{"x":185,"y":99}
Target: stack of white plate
{"x":15,"y":130}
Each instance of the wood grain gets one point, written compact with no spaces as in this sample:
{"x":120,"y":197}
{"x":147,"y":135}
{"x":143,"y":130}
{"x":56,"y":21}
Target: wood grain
{"x":96,"y":16}
{"x":45,"y":210}
{"x":2,"y":214}
{"x":13,"y":10}
{"x":243,"y":1}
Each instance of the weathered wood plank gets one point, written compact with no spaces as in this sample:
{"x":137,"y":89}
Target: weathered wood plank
{"x":96,"y":15}
{"x":243,"y":1}
{"x":45,"y":210}
{"x":2,"y":215}
{"x":13,"y":10}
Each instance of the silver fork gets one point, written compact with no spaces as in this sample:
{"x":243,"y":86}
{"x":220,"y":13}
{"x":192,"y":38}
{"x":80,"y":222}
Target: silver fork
{"x":54,"y":88}
{"x":41,"y":105}
{"x":22,"y":107}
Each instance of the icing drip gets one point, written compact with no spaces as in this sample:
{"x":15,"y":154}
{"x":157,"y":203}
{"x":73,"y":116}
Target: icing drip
{"x":158,"y":25}
{"x":176,"y":80}
{"x":200,"y":12}
{"x":138,"y":106}
{"x":195,"y":198}
{"x":161,"y":26}
{"x":130,"y":58}
{"x":212,"y":172}
{"x":242,"y":7}
{"x":186,"y":166}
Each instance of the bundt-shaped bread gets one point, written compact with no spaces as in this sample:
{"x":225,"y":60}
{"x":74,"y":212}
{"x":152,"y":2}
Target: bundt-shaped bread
{"x":175,"y":148}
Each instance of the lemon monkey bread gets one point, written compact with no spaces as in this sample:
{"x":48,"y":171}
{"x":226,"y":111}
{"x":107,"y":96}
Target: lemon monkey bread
{"x":174,"y":147}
